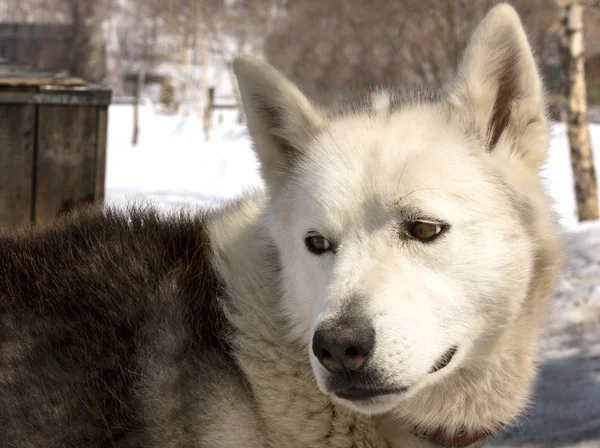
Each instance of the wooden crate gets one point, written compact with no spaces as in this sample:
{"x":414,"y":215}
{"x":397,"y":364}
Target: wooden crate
{"x":52,"y":144}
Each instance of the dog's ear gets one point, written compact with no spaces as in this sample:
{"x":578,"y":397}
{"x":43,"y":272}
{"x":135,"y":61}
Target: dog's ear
{"x":280,"y":118}
{"x":498,"y":90}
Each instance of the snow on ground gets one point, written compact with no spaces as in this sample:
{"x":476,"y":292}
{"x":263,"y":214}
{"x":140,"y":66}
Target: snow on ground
{"x":173,"y":167}
{"x":566,"y":411}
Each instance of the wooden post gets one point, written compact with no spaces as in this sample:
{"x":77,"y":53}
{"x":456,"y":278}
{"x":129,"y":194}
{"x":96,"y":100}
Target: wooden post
{"x":102,"y":130}
{"x":208,"y":108}
{"x":136,"y":108}
{"x":582,"y":162}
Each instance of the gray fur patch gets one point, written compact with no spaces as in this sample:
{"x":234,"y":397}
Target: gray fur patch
{"x":94,"y":306}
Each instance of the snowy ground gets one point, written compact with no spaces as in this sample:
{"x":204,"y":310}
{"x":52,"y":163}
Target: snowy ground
{"x":566,"y":408}
{"x":173,"y":166}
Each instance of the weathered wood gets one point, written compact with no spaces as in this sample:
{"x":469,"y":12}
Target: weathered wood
{"x":67,"y":151}
{"x":101,"y":132}
{"x":51,"y":95}
{"x":35,"y":81}
{"x":17,"y":126}
{"x":12,"y":74}
{"x":52,"y":143}
{"x":582,"y":162}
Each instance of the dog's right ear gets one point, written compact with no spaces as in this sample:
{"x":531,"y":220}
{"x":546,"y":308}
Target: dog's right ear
{"x":280,"y":118}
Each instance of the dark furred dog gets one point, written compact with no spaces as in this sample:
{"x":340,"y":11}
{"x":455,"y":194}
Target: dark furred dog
{"x":88,"y":309}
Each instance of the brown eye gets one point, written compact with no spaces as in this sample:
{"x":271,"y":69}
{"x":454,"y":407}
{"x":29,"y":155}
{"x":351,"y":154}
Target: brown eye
{"x":317,"y":244}
{"x":425,"y":231}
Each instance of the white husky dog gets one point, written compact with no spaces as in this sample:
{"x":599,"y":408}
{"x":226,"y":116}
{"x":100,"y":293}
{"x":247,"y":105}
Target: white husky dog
{"x":417,"y":244}
{"x":387,"y":291}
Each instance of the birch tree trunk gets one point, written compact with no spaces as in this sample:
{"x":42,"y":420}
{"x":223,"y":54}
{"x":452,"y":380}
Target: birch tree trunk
{"x":582,"y":162}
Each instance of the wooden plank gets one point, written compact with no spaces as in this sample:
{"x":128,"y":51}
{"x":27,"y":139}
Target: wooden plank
{"x":53,"y":95}
{"x":17,"y":131}
{"x":17,"y":80}
{"x":102,"y":130}
{"x":65,"y":168}
{"x":12,"y":74}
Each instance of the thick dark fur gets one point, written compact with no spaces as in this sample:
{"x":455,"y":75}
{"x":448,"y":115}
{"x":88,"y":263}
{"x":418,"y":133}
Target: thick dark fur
{"x":88,"y":306}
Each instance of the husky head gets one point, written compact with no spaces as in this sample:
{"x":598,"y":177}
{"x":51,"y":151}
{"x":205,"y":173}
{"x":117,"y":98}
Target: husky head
{"x":408,"y":232}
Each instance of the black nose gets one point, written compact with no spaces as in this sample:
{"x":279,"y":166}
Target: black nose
{"x":344,"y":348}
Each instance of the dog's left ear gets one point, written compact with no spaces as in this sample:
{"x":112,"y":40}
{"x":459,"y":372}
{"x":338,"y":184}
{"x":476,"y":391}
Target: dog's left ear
{"x":280,"y":118}
{"x":498,"y":90}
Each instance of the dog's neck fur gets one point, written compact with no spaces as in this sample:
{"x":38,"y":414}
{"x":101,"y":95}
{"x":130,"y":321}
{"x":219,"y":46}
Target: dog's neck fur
{"x":491,"y":389}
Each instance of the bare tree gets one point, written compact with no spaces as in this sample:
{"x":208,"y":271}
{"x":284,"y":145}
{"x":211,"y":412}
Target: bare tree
{"x":146,"y":14}
{"x":240,"y":26}
{"x":336,"y":44}
{"x":582,"y":161}
{"x":86,"y":17}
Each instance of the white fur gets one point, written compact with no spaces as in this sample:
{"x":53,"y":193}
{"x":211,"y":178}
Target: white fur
{"x":482,"y":287}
